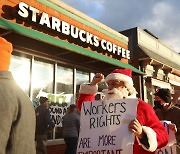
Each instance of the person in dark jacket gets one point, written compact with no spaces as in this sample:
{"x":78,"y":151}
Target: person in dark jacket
{"x":17,"y":116}
{"x":168,"y":111}
{"x":71,"y":126}
{"x":43,"y":124}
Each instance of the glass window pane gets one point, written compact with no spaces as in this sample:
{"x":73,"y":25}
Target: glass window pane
{"x":42,"y":83}
{"x":81,"y":77}
{"x":20,"y":68}
{"x":42,"y":80}
{"x":63,"y":97}
{"x":64,"y":80}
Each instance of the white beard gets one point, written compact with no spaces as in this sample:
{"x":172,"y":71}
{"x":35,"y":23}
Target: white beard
{"x":115,"y":93}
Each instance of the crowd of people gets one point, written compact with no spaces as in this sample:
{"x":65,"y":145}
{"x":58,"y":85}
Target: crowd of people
{"x":21,"y":125}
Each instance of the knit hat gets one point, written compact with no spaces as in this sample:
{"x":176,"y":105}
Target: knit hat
{"x":124,"y":75}
{"x":164,"y":94}
{"x":5,"y":54}
{"x":42,"y":100}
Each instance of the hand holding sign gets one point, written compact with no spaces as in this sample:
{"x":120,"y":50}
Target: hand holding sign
{"x":136,"y":128}
{"x":172,"y":127}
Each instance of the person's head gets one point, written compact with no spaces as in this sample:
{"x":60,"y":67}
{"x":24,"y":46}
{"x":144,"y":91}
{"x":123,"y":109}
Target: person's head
{"x":44,"y":101}
{"x":5,"y":54}
{"x":163,"y":97}
{"x":120,"y":84}
{"x":72,"y":108}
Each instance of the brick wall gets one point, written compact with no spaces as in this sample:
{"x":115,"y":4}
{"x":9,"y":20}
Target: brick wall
{"x":56,"y":149}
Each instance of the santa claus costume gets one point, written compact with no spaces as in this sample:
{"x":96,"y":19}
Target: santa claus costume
{"x":156,"y":134}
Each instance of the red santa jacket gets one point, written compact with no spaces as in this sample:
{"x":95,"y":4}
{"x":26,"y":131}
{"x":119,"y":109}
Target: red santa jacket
{"x":156,"y":133}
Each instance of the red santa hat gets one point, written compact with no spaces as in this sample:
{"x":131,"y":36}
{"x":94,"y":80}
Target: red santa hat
{"x":124,"y":75}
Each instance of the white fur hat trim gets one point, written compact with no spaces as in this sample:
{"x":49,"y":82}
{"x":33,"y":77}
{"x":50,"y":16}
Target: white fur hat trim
{"x":120,"y":77}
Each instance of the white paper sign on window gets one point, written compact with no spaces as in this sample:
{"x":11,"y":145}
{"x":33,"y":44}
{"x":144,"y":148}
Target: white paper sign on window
{"x":104,"y":126}
{"x":57,"y":112}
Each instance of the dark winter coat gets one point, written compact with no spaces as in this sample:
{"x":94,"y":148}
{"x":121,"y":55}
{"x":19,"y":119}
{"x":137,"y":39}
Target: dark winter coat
{"x":43,"y":120}
{"x":172,"y":113}
{"x":71,"y":124}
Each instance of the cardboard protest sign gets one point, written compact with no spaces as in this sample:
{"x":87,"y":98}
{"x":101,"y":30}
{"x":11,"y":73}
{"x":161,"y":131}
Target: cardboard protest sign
{"x":104,"y":127}
{"x":170,"y":148}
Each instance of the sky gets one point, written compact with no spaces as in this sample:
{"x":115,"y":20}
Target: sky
{"x":160,"y":17}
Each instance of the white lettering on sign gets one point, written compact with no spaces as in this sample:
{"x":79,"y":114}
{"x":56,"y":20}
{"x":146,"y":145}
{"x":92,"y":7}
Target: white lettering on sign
{"x":74,"y":31}
{"x":65,"y":28}
{"x":103,"y":44}
{"x":45,"y":20}
{"x":34,"y":13}
{"x":23,"y":12}
{"x":82,"y":35}
{"x":96,"y":42}
{"x":56,"y":24}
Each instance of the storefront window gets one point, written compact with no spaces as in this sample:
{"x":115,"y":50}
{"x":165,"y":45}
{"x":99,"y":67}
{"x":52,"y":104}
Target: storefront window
{"x":57,"y":86}
{"x":64,"y":80}
{"x":20,"y":68}
{"x":63,"y":97}
{"x":81,"y":77}
{"x":42,"y":83}
{"x":42,"y":80}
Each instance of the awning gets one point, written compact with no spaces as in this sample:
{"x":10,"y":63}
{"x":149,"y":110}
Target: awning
{"x":160,"y":84}
{"x":159,"y":58}
{"x":71,"y":52}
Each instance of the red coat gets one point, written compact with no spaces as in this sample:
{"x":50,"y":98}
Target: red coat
{"x":155,"y":131}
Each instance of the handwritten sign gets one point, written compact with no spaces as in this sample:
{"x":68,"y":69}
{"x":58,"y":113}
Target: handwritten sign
{"x":104,"y":127}
{"x":58,"y":105}
{"x":170,"y":148}
{"x":57,"y":112}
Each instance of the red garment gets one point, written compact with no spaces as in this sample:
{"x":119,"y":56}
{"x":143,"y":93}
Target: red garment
{"x":147,"y":118}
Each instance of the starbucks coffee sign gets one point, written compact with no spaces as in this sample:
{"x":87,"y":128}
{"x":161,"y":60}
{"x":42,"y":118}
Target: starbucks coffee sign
{"x":42,"y":18}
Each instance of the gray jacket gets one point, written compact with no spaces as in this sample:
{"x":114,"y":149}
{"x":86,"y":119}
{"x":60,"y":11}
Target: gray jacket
{"x":71,"y":124}
{"x":17,"y":118}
